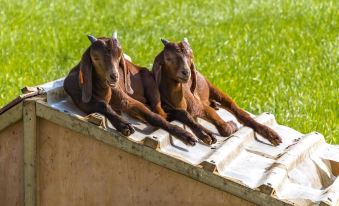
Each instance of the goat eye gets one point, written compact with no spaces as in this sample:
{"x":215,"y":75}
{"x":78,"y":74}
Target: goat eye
{"x":96,"y":58}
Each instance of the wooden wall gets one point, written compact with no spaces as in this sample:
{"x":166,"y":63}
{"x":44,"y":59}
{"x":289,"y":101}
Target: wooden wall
{"x":11,"y":165}
{"x":77,"y":170}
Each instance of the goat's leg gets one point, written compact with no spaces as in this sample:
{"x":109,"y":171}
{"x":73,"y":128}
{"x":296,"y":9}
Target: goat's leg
{"x":227,"y":103}
{"x":202,"y":133}
{"x":117,"y":121}
{"x":224,"y":128}
{"x":152,"y":93}
{"x":137,"y":109}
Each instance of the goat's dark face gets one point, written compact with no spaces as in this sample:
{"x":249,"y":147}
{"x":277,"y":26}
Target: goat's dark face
{"x":178,"y":60}
{"x":106,"y":54}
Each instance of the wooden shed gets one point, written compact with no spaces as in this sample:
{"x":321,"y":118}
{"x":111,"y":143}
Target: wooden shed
{"x":52,"y":154}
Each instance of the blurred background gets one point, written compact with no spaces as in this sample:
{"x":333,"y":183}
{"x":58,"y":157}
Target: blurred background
{"x":276,"y":56}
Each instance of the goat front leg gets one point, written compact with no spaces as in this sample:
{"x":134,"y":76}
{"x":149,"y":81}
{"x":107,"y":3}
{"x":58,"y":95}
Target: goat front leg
{"x":117,"y":121}
{"x":227,"y":103}
{"x":224,"y":128}
{"x":202,"y":133}
{"x":137,"y":109}
{"x":152,"y":93}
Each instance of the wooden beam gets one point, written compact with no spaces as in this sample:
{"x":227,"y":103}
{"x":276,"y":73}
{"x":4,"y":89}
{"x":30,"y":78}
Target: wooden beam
{"x":30,"y":138}
{"x":20,"y":98}
{"x":11,"y":116}
{"x":209,"y":166}
{"x":151,"y":142}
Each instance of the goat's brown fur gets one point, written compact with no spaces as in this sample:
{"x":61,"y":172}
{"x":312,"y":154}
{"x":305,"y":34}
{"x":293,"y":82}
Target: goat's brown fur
{"x":186,"y":95}
{"x":95,"y":86}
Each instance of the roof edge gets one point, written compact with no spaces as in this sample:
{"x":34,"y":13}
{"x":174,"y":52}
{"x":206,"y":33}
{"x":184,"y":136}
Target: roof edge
{"x":11,"y":116}
{"x":28,"y":92}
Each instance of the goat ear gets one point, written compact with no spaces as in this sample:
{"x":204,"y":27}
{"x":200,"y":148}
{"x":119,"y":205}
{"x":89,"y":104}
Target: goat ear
{"x":156,"y":69}
{"x":85,"y":77}
{"x":127,"y":76}
{"x":194,"y":78}
{"x":193,"y":69}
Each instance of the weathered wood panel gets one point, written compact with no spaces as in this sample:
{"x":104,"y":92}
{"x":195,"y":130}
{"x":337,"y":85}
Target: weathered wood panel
{"x":11,"y":165}
{"x":78,"y":170}
{"x":11,"y":116}
{"x":29,"y":150}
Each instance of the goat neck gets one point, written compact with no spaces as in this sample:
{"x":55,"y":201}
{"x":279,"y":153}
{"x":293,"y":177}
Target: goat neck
{"x":172,"y":92}
{"x":101,"y":88}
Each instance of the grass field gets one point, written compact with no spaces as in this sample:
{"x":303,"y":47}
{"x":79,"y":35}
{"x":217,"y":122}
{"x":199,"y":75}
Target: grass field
{"x":275,"y":56}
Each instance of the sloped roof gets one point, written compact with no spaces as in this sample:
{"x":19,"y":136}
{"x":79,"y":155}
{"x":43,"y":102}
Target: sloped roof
{"x":302,"y":170}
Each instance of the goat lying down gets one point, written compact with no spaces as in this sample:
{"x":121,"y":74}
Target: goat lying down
{"x":105,"y":82}
{"x":186,"y":94}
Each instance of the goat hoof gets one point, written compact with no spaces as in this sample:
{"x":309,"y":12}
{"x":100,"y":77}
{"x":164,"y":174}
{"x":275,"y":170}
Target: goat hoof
{"x":233,"y":125}
{"x":227,"y":129}
{"x":271,"y":135}
{"x":183,"y":135}
{"x":189,"y":139}
{"x":126,"y":129}
{"x":208,"y":141}
{"x":192,"y":142}
{"x":208,"y":138}
{"x":214,"y":140}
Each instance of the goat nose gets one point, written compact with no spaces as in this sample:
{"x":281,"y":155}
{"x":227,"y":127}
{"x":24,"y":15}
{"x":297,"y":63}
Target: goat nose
{"x":184,"y":72}
{"x":113,"y":77}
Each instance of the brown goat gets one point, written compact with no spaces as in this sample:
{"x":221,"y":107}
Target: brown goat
{"x":95,"y":86}
{"x":186,"y":94}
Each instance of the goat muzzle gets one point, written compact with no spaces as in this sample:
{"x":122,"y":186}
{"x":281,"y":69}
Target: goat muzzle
{"x":113,"y":80}
{"x":183,"y":76}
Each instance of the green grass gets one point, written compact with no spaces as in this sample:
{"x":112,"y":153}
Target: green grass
{"x":275,"y":56}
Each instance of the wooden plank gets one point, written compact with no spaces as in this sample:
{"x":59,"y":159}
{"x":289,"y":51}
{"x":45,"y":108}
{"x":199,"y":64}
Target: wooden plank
{"x":20,"y":98}
{"x":96,"y":119}
{"x":209,"y":166}
{"x":115,"y":139}
{"x":151,"y":142}
{"x":11,"y":116}
{"x":29,"y":121}
{"x":11,"y":165}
